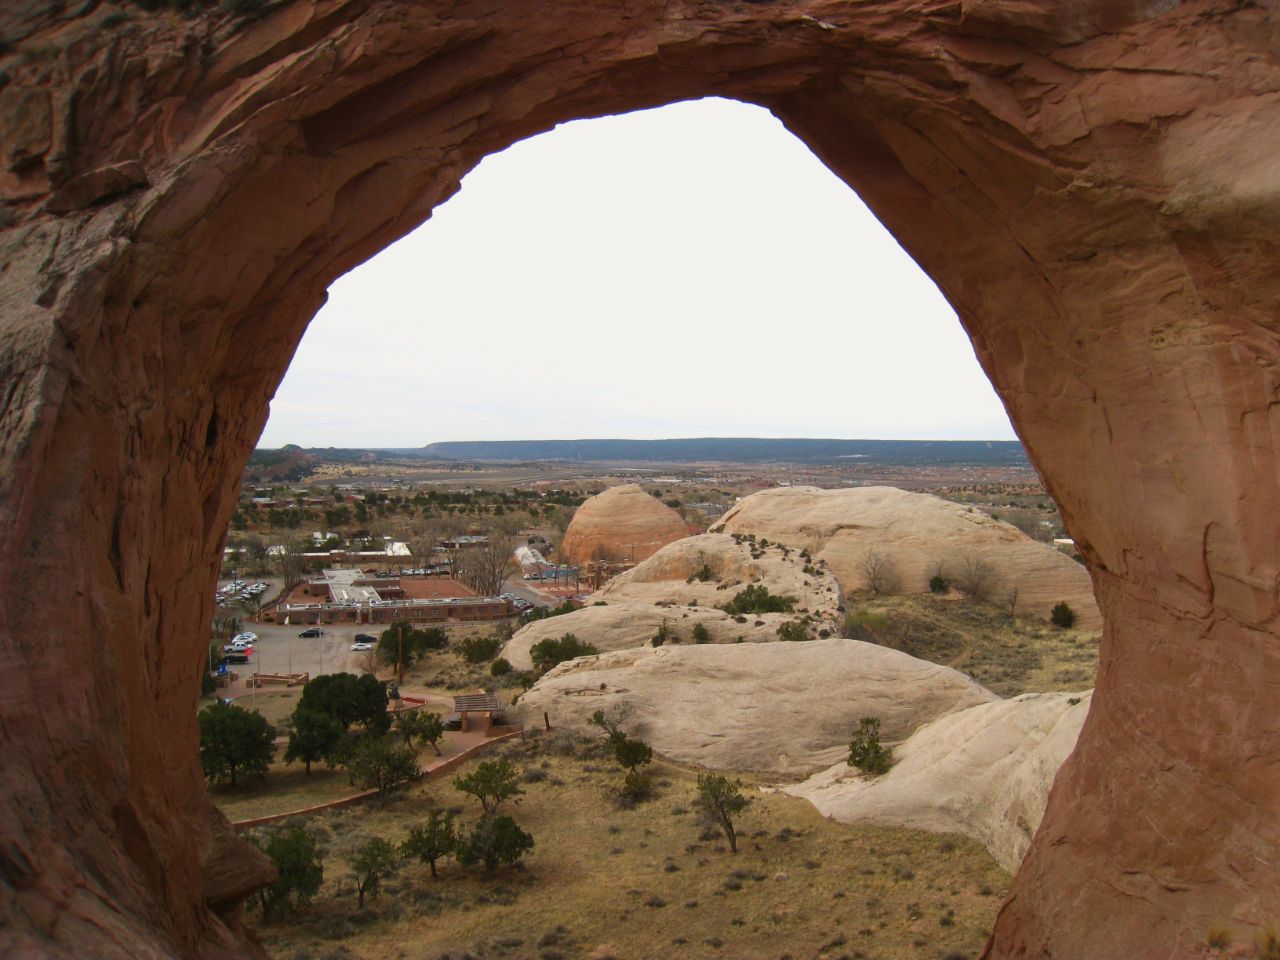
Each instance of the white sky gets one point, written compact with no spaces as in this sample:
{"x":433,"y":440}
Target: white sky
{"x":687,"y":271}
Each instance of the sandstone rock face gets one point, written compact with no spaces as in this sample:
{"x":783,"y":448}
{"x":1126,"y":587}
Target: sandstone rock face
{"x":624,"y":626}
{"x":984,"y":771}
{"x":660,"y":590}
{"x":915,"y":532}
{"x":785,"y":708}
{"x":1093,"y":186}
{"x":672,"y":575}
{"x":621,"y":523}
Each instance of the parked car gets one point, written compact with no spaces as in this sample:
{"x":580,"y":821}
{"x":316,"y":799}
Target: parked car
{"x":312,"y":632}
{"x":248,"y":637}
{"x":365,"y":638}
{"x":453,"y":722}
{"x":234,"y":658}
{"x":234,"y":647}
{"x":361,"y":646}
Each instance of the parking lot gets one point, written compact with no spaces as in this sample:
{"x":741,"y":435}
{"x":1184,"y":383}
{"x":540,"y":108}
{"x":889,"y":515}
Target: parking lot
{"x":279,"y":649}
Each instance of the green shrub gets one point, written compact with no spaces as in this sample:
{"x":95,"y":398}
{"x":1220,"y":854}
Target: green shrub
{"x":377,"y":763}
{"x":865,"y":750}
{"x":755,"y":598}
{"x":500,"y":667}
{"x":494,"y":841}
{"x":297,"y":858}
{"x":793,"y":631}
{"x":234,"y":741}
{"x":479,"y":649}
{"x":548,"y":653}
{"x":938,"y":583}
{"x":701,"y":634}
{"x":1062,"y":615}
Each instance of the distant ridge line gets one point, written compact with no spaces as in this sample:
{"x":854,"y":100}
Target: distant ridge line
{"x":731,"y":449}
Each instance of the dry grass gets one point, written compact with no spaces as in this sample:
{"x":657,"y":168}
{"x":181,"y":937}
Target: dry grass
{"x":284,"y":788}
{"x":1009,"y":655}
{"x":649,"y":881}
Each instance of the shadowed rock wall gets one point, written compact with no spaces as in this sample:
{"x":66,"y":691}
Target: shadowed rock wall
{"x":1092,"y":184}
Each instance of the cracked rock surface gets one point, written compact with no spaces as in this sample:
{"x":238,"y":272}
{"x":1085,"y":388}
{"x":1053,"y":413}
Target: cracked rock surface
{"x":1092,"y":185}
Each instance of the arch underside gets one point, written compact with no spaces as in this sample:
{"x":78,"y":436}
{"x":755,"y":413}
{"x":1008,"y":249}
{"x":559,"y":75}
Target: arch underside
{"x":1091,"y":186}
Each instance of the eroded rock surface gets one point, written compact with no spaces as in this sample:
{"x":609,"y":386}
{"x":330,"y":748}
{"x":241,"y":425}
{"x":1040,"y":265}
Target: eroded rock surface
{"x":915,"y":535}
{"x":622,"y":523}
{"x":1093,"y":187}
{"x":785,"y":708}
{"x":668,"y":589}
{"x":984,"y":771}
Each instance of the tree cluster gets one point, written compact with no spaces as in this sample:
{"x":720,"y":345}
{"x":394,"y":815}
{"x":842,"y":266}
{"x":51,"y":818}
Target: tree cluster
{"x":548,"y":653}
{"x":756,"y":598}
{"x":413,"y":642}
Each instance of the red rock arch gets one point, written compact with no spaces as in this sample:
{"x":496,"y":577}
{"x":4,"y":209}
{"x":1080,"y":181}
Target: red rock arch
{"x":1091,"y":184}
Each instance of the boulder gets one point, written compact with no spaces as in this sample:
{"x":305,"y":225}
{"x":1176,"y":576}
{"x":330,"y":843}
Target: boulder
{"x":984,"y":771}
{"x":622,"y":523}
{"x":781,"y":708}
{"x":667,"y":587}
{"x":626,"y":625}
{"x":915,"y":532}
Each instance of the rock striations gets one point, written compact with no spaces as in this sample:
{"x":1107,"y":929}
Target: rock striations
{"x":1092,"y":185}
{"x":984,"y":771}
{"x":784,"y":708}
{"x":917,"y":534}
{"x":622,"y":523}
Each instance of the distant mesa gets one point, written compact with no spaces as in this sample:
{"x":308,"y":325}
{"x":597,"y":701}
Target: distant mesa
{"x":737,"y":450}
{"x":622,"y":523}
{"x":918,"y":534}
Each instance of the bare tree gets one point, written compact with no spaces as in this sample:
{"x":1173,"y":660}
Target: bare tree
{"x":226,"y":622}
{"x":1028,"y":521}
{"x":290,"y":564}
{"x":560,"y":518}
{"x":977,"y":577}
{"x":881,"y":572}
{"x":451,"y":527}
{"x":1012,"y":600}
{"x":488,"y":564}
{"x":423,"y":540}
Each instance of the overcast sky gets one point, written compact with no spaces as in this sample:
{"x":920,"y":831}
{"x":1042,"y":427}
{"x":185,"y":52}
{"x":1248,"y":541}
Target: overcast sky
{"x":681,"y":272}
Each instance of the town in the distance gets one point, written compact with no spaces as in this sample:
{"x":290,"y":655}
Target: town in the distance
{"x":509,"y":700}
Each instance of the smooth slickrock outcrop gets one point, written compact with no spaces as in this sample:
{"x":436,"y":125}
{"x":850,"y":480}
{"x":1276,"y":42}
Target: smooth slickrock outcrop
{"x":667,"y":588}
{"x":675,"y":575}
{"x":916,"y":533}
{"x":786,"y":708}
{"x":626,"y":625}
{"x":984,"y":771}
{"x":622,"y":523}
{"x":1091,"y":185}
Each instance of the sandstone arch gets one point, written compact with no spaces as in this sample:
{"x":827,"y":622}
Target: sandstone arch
{"x":1091,"y":184}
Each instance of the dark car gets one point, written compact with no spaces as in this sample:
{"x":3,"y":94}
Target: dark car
{"x":453,"y":722}
{"x":365,"y":638}
{"x":235,"y":658}
{"x":312,"y":632}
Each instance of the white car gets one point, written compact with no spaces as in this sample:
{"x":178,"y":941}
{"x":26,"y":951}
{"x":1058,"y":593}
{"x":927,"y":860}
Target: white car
{"x":361,"y":646}
{"x":246,"y":637}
